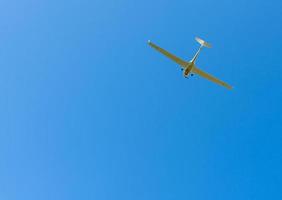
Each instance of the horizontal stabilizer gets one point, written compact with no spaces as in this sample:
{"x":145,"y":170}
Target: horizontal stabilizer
{"x":203,"y":43}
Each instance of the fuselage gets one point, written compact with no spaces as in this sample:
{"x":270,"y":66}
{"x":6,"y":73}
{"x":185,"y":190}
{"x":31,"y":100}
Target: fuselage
{"x":188,"y":68}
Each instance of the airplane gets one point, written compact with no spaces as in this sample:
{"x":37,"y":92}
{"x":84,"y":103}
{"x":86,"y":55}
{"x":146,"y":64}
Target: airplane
{"x":189,"y":67}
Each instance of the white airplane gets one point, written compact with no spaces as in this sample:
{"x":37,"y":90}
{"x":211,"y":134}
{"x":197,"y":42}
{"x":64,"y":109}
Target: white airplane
{"x":189,"y":67}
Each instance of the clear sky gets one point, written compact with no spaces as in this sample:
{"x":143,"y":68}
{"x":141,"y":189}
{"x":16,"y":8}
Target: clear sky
{"x":89,"y":111}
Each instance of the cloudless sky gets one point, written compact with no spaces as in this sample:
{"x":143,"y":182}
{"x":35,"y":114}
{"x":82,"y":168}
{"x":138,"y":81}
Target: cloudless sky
{"x":89,"y":111}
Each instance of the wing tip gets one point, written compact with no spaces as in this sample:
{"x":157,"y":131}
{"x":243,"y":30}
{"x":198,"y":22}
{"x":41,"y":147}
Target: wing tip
{"x":229,"y":87}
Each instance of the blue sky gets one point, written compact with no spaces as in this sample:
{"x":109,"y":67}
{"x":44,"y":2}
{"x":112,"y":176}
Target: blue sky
{"x":90,"y":111}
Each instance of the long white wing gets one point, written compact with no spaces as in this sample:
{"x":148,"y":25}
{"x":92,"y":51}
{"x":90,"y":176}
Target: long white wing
{"x":169,"y":55}
{"x":210,"y":77}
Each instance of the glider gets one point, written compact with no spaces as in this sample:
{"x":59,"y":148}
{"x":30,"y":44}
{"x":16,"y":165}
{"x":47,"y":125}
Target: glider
{"x":189,"y":67}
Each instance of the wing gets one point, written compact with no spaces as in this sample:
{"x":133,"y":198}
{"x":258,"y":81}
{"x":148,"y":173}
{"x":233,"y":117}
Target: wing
{"x":210,"y":77}
{"x":169,"y":55}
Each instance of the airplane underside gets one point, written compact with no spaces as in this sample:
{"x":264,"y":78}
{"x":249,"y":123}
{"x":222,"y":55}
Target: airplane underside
{"x":189,"y":67}
{"x":188,"y":70}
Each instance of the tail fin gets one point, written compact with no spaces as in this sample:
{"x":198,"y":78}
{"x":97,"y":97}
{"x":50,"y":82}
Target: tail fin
{"x":203,"y":43}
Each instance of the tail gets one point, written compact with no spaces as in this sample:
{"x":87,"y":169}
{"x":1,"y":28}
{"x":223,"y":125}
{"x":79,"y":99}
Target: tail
{"x":203,"y":43}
